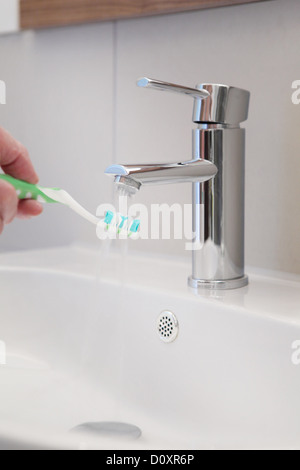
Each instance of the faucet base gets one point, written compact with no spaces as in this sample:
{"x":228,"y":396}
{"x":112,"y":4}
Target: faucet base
{"x":225,"y":284}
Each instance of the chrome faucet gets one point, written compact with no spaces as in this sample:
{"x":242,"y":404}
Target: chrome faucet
{"x":217,"y":172}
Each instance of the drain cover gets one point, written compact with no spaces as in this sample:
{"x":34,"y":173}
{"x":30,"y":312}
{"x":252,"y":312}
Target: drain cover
{"x":167,"y":326}
{"x":109,"y":429}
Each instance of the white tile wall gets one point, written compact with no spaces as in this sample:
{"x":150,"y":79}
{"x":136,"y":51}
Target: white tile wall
{"x":72,"y":100}
{"x":9,"y":16}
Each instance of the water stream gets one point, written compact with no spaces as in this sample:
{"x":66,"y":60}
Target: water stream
{"x":115,"y":252}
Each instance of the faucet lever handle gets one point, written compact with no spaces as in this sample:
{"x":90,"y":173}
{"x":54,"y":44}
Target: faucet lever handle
{"x":165,"y":86}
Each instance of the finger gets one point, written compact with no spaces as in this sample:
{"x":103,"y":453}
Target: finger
{"x":8,"y":202}
{"x":1,"y":225}
{"x":29,"y":208}
{"x":14,"y":158}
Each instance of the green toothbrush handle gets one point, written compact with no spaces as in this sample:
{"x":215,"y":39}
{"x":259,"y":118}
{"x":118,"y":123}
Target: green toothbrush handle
{"x":26,"y":190}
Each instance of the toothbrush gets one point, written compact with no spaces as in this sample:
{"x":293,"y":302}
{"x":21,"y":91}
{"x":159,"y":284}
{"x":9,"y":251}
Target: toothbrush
{"x":111,"y":223}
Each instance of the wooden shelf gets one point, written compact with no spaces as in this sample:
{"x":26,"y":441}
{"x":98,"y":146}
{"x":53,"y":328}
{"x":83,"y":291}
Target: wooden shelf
{"x":48,"y":13}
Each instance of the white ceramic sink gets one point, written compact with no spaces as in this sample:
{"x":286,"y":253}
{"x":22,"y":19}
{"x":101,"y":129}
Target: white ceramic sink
{"x":82,"y":345}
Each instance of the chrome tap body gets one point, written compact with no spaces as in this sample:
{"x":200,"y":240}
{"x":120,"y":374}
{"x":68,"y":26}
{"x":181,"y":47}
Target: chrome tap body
{"x":217,"y":173}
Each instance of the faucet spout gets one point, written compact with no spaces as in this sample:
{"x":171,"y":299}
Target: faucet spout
{"x":135,"y":176}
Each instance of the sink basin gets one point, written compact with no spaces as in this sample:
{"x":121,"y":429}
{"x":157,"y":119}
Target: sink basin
{"x":80,"y":339}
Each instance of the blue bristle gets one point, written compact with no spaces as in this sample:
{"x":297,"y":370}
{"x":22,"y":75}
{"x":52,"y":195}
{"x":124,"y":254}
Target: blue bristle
{"x":109,"y":217}
{"x":135,"y":226}
{"x":121,"y":225}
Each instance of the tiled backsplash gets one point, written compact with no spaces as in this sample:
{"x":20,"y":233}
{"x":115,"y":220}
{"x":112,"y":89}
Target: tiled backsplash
{"x":72,"y":99}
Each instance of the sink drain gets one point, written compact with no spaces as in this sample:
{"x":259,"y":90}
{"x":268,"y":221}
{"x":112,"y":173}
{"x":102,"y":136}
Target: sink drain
{"x":109,"y":429}
{"x":167,"y":326}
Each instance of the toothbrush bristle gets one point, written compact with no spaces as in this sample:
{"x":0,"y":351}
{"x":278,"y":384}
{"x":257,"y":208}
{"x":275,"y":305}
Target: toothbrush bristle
{"x":119,"y":224}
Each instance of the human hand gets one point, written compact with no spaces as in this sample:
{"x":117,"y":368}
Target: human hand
{"x":15,"y":161}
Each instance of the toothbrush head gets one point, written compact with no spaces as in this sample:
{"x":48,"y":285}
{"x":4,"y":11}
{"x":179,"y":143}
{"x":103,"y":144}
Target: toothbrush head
{"x":115,"y":225}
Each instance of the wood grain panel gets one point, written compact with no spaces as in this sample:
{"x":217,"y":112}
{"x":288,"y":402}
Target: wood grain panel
{"x":48,"y":13}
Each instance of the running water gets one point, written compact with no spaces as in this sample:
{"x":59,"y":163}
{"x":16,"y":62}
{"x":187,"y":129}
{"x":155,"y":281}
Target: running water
{"x":122,"y":198}
{"x":118,"y":251}
{"x":121,"y":205}
{"x":110,"y":265}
